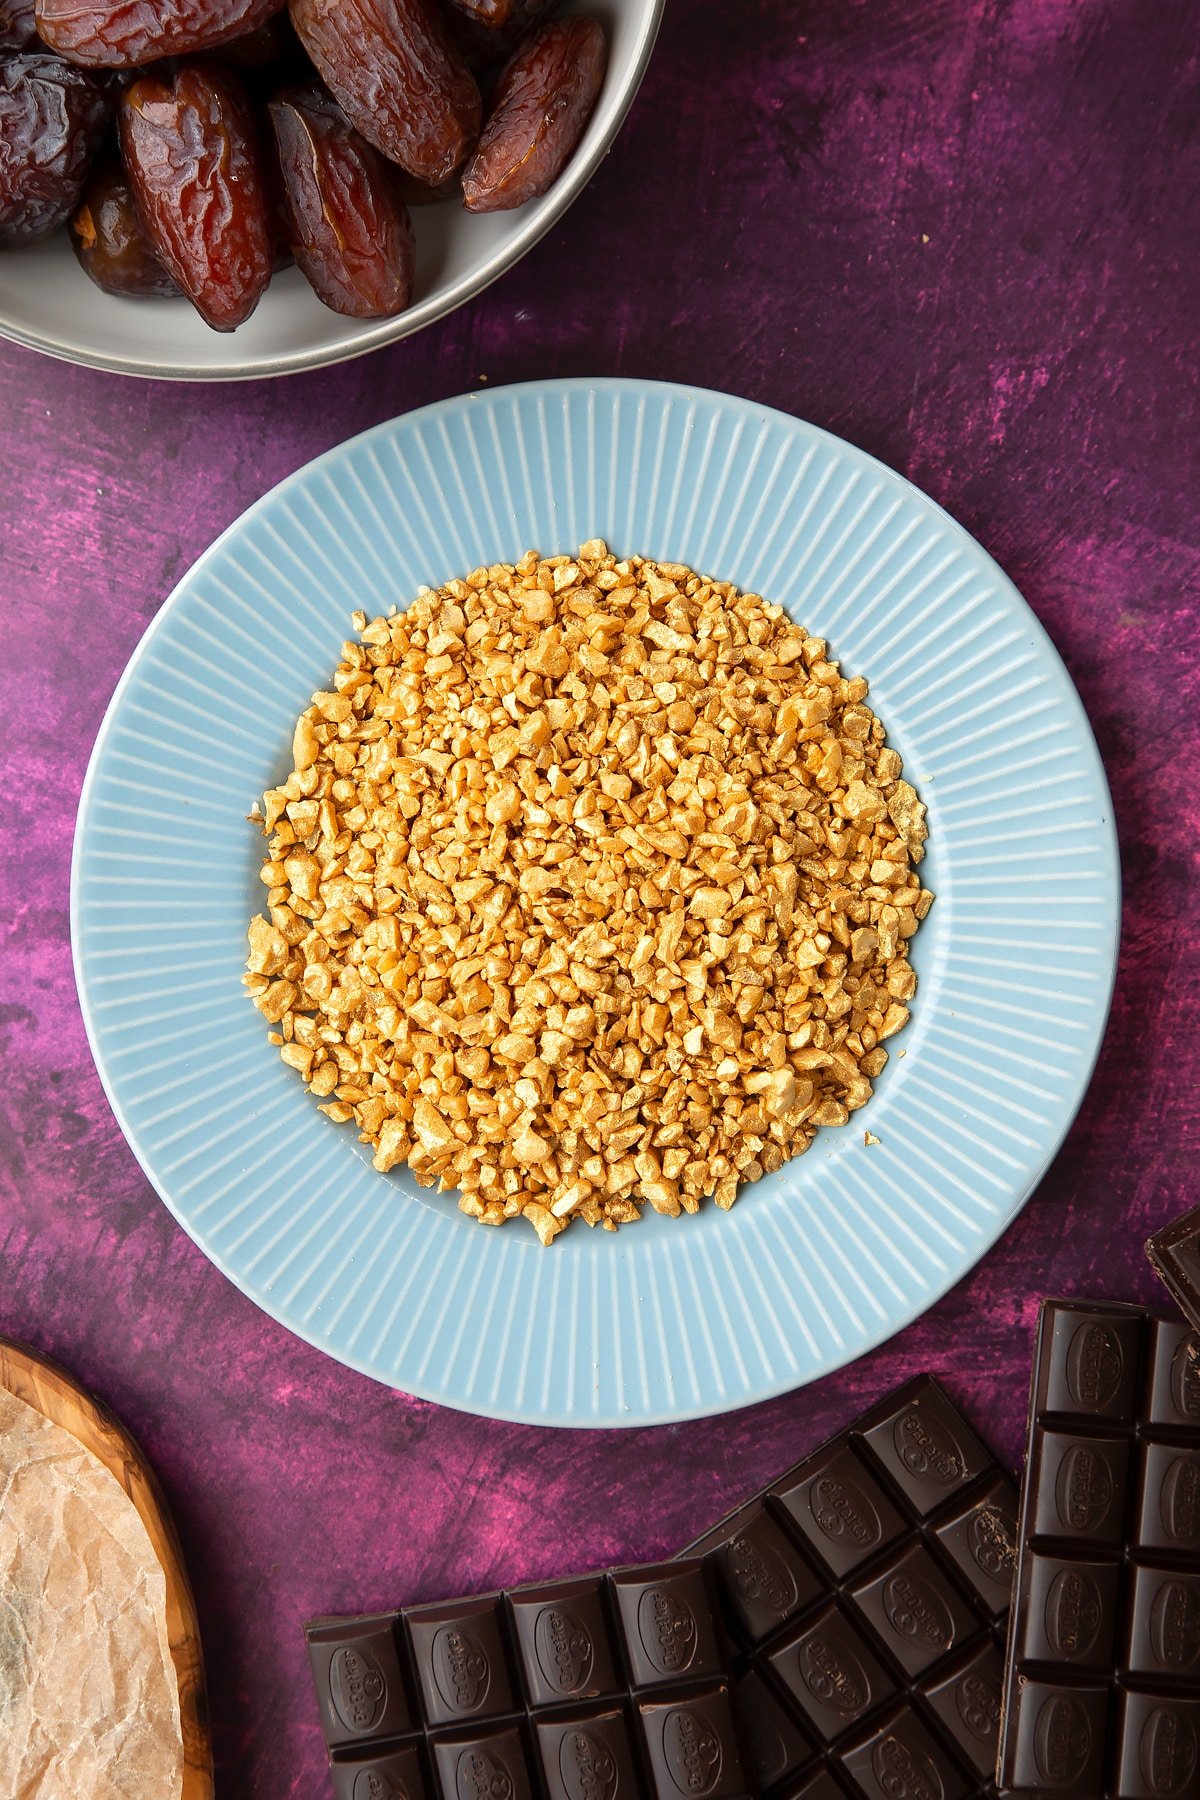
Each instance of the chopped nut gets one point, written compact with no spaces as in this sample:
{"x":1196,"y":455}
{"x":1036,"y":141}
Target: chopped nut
{"x":305,"y":745}
{"x":864,"y":804}
{"x":542,"y":1220}
{"x":778,"y":1090}
{"x":907,"y":814}
{"x":893,"y":1019}
{"x":268,"y":948}
{"x":709,"y":903}
{"x":391,"y":1146}
{"x":528,"y":1147}
{"x":429,"y":1127}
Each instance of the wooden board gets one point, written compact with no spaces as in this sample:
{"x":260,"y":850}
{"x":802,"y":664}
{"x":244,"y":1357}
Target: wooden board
{"x":58,"y":1397}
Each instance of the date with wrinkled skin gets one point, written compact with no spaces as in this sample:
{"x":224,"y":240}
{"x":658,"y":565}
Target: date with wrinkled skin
{"x":190,"y":145}
{"x":542,"y":102}
{"x":17,"y":25}
{"x":399,"y":79}
{"x":350,"y":230}
{"x":110,"y":242}
{"x":52,"y":118}
{"x":121,"y":34}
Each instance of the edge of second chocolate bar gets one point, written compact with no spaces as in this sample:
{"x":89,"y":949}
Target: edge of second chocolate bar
{"x":1103,"y":1655}
{"x":1174,"y":1254}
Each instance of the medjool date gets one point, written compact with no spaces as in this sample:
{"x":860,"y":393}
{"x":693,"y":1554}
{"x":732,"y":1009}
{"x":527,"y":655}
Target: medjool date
{"x":350,"y":230}
{"x":191,"y":147}
{"x":542,"y":102}
{"x":398,"y":77}
{"x":121,"y":34}
{"x":110,"y":241}
{"x":52,"y":118}
{"x":17,"y":26}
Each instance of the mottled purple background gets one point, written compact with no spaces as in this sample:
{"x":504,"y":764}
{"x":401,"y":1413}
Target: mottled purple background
{"x":962,"y":233}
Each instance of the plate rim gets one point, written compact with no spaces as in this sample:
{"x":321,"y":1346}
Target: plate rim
{"x":565,"y":191}
{"x":1112,"y":911}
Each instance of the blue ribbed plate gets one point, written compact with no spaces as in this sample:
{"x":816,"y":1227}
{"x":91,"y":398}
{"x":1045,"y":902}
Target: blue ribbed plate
{"x":667,"y":1319}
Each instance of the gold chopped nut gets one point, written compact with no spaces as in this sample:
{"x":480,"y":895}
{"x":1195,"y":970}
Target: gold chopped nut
{"x":430,"y":1129}
{"x":305,"y":745}
{"x":895,"y":1017}
{"x":864,"y":804}
{"x":591,"y":888}
{"x":528,"y":1147}
{"x":268,"y":948}
{"x":542,"y":1220}
{"x":391,"y":1146}
{"x":907,"y":814}
{"x":709,"y":903}
{"x":778,"y":1090}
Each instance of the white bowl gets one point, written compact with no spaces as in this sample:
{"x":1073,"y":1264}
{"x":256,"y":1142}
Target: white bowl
{"x":48,"y":303}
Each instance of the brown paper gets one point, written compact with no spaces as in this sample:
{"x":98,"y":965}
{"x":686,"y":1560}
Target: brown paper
{"x":89,"y":1706}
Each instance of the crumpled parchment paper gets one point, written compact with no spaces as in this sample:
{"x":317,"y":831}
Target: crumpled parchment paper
{"x":89,"y":1706}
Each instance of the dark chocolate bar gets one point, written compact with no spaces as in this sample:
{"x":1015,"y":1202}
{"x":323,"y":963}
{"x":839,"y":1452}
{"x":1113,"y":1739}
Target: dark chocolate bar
{"x":1102,"y":1681}
{"x":1175,"y":1255}
{"x":605,"y":1687}
{"x":867,"y":1593}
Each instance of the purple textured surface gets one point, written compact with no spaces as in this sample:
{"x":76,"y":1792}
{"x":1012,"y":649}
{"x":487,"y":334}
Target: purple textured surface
{"x":962,"y":233}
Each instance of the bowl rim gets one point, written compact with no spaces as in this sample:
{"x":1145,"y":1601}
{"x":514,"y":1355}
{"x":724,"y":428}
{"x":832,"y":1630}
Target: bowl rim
{"x":542,"y":216}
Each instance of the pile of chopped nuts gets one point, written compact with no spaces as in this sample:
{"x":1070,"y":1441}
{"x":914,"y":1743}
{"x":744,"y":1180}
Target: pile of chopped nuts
{"x":591,"y":887}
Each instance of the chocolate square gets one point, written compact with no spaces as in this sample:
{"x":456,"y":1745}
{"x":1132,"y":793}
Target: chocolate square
{"x":381,"y":1775}
{"x":1172,"y":1400}
{"x":831,"y":1674}
{"x":900,"y":1757}
{"x":968,"y":1704}
{"x":358,"y":1671}
{"x":840,"y":1510}
{"x":1079,"y":1484}
{"x":666,"y":1623}
{"x":458,"y":1653}
{"x":928,"y":1450}
{"x":1089,"y":1368}
{"x":587,"y":1756}
{"x":563,"y":1642}
{"x":762,"y":1576}
{"x":778,"y":1748}
{"x":1058,"y":1739}
{"x":1069,"y":1612}
{"x":1158,"y":1748}
{"x":1168,"y":1510}
{"x":692,"y":1747}
{"x":915,"y":1610}
{"x":1163,"y":1638}
{"x":483,"y":1765}
{"x":981,"y":1541}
